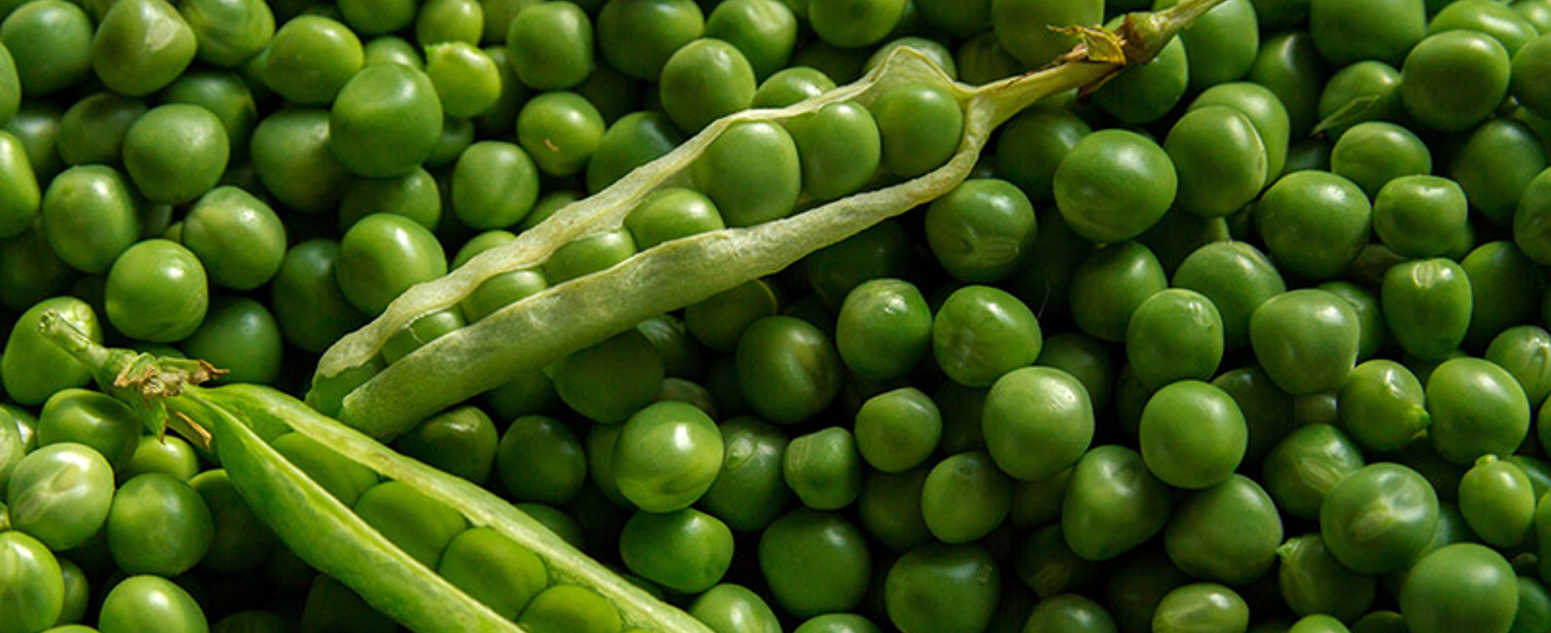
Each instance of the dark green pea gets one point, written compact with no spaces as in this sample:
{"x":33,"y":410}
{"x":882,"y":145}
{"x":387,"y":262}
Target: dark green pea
{"x":499,"y":119}
{"x":383,"y":255}
{"x":331,"y":606}
{"x":461,"y":442}
{"x":962,"y":19}
{"x":729,"y":608}
{"x":880,"y":251}
{"x":1373,"y":153}
{"x":1048,"y":567}
{"x":1364,"y":91}
{"x":1307,"y":340}
{"x":682,"y":358}
{"x":981,"y":332}
{"x":1477,"y":409}
{"x":36,"y":125}
{"x":1113,"y":503}
{"x":1038,"y":421}
{"x":839,"y":148}
{"x":500,"y":291}
{"x":414,"y":195}
{"x":1385,"y":30}
{"x":1033,"y":144}
{"x":441,"y":21}
{"x":1201,"y":607}
{"x":93,"y":419}
{"x":789,"y":369}
{"x":890,"y":508}
{"x":344,"y":479}
{"x":308,"y":304}
{"x":1134,"y":590}
{"x":92,"y":130}
{"x":1525,"y":352}
{"x":613,"y":93}
{"x":1529,"y":62}
{"x":1427,"y":305}
{"x":561,"y":131}
{"x":1021,"y":26}
{"x":638,"y":36}
{"x":50,"y":45}
{"x":1268,"y":412}
{"x":1192,"y":434}
{"x":1264,"y":110}
{"x":897,"y":430}
{"x":32,"y":368}
{"x":1372,"y":331}
{"x":815,"y":562}
{"x":1420,"y":455}
{"x":310,"y":59}
{"x":77,"y":593}
{"x":704,"y":81}
{"x":141,"y":46}
{"x":569,"y":609}
{"x":1301,"y":469}
{"x":1107,"y":287}
{"x":749,"y":191}
{"x":1312,"y":581}
{"x":1314,"y":223}
{"x":589,"y":380}
{"x":667,"y":456}
{"x":241,"y":336}
{"x":1145,"y":93}
{"x":965,"y":497}
{"x":10,"y":86}
{"x":551,"y":47}
{"x":1227,"y":533}
{"x":291,"y":156}
{"x":823,"y":468}
{"x":791,"y":85}
{"x":981,"y":231}
{"x":385,"y":121}
{"x":1086,"y":359}
{"x":1504,"y":284}
{"x":1070,"y":613}
{"x":1419,"y":215}
{"x":540,"y":459}
{"x":1497,"y":501}
{"x":90,"y":214}
{"x":1308,"y":153}
{"x":749,"y":492}
{"x":1495,"y":166}
{"x":1236,"y":277}
{"x":1382,"y":406}
{"x":1460,"y":586}
{"x":720,"y":320}
{"x":467,"y":81}
{"x":686,"y":551}
{"x":60,"y":494}
{"x":837,"y":623}
{"x":1222,"y":44}
{"x":1532,"y":219}
{"x":1453,"y":80}
{"x":158,"y":525}
{"x":1509,"y":28}
{"x":634,"y":140}
{"x":528,"y":392}
{"x":1220,"y":159}
{"x":1534,"y":612}
{"x":241,"y":542}
{"x":1179,"y":233}
{"x":373,"y":17}
{"x":1173,"y":335}
{"x":494,"y":185}
{"x":920,"y":125}
{"x":493,"y":569}
{"x":883,"y":329}
{"x":1113,"y":185}
{"x":419,"y":525}
{"x":34,"y":595}
{"x":1378,"y":518}
{"x":456,"y":135}
{"x":1289,"y":65}
{"x":236,"y":236}
{"x":942,"y":588}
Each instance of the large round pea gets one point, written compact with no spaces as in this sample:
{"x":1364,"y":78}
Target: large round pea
{"x":1301,"y":469}
{"x":638,"y":36}
{"x":703,"y":81}
{"x":1477,"y":408}
{"x":751,"y":171}
{"x":939,"y":588}
{"x":1384,"y":30}
{"x":291,"y":156}
{"x":884,"y":328}
{"x":229,"y":32}
{"x":150,"y":603}
{"x":1228,"y":533}
{"x":493,"y":569}
{"x":686,"y":550}
{"x":1382,"y":405}
{"x":32,"y":591}
{"x":1030,"y":147}
{"x":1021,"y":26}
{"x":310,"y":58}
{"x":667,"y":456}
{"x":1525,"y":351}
{"x":1419,"y":215}
{"x":1497,"y":501}
{"x":382,"y":256}
{"x":981,"y":332}
{"x":1495,"y":165}
{"x":749,"y":491}
{"x":823,"y":468}
{"x":1379,"y":518}
{"x":551,"y":47}
{"x":611,"y":380}
{"x":965,"y":497}
{"x":385,"y":121}
{"x":90,"y":214}
{"x":1037,"y":421}
{"x":1236,"y":277}
{"x":32,"y":368}
{"x":815,"y":562}
{"x":854,"y":23}
{"x":92,"y":418}
{"x":1192,"y":434}
{"x":541,"y":460}
{"x":1460,"y":587}
{"x":1145,"y":93}
{"x":236,"y":236}
{"x":308,"y":304}
{"x":982,"y":230}
{"x":1427,"y":305}
{"x":1220,"y":159}
{"x":1109,"y":284}
{"x":1113,"y":503}
{"x":1264,"y":110}
{"x":1114,"y":185}
{"x":158,"y":525}
{"x":418,"y":524}
{"x":730,"y":608}
{"x":1453,"y":80}
{"x":670,"y":213}
{"x":1201,"y":607}
{"x":141,"y":46}
{"x":1314,"y":223}
{"x":494,"y":183}
{"x":789,"y":370}
{"x":1306,"y":340}
{"x":898,"y":429}
{"x":920,"y":125}
{"x":839,"y":147}
{"x":157,"y":292}
{"x":1373,"y":153}
{"x":50,"y":44}
{"x":765,"y":31}
{"x":561,"y":131}
{"x":1174,"y":335}
{"x":60,"y":494}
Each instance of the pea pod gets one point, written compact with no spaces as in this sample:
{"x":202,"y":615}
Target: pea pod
{"x":540,"y":328}
{"x":238,"y":421}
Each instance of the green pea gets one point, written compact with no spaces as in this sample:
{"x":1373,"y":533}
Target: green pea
{"x":494,"y":569}
{"x":1314,"y":223}
{"x":1222,"y":44}
{"x":1192,"y":434}
{"x":920,"y":126}
{"x":569,"y":609}
{"x":34,"y":594}
{"x":1427,"y":306}
{"x":791,"y":85}
{"x":1385,"y":30}
{"x":815,"y":562}
{"x":156,"y":291}
{"x":541,"y":460}
{"x":1504,"y":289}
{"x":747,"y":191}
{"x":634,"y":140}
{"x":308,"y":304}
{"x":1236,"y":278}
{"x":897,"y":430}
{"x":1048,"y":567}
{"x":385,"y":121}
{"x":228,"y":32}
{"x":1089,"y":191}
{"x":291,"y":156}
{"x":1477,"y":409}
{"x":90,"y":214}
{"x":686,"y":550}
{"x":1502,"y":23}
{"x":500,"y":291}
{"x":839,"y":148}
{"x":1306,"y":340}
{"x":937,"y":53}
{"x":330,"y":606}
{"x":1532,"y":219}
{"x":158,"y":525}
{"x":236,"y":236}
{"x":1368,"y":90}
{"x":1378,"y":518}
{"x":589,"y":380}
{"x":720,"y":320}
{"x":1109,"y":284}
{"x":789,"y":370}
{"x":1113,"y":503}
{"x":1137,"y":586}
{"x":467,"y":81}
{"x":855,"y":23}
{"x":391,"y":49}
{"x":10,"y":86}
{"x":174,"y":153}
{"x":141,"y":46}
{"x":1220,"y":159}
{"x":494,"y":185}
{"x":224,"y":94}
{"x":381,"y":256}
{"x":344,"y":479}
{"x":837,"y":623}
{"x":561,"y":131}
{"x":981,"y":332}
{"x":1522,"y":350}
{"x":377,"y":17}
{"x":1201,"y":607}
{"x":1534,"y":606}
{"x":419,"y":525}
{"x":551,"y":46}
{"x":36,"y":125}
{"x":1528,"y":62}
{"x":1175,"y":334}
{"x":310,"y":59}
{"x":241,"y":542}
{"x":1264,"y":110}
{"x":1038,"y":421}
{"x":941,"y":587}
{"x":667,"y":456}
{"x":32,"y":368}
{"x":1419,"y":215}
{"x":167,"y":454}
{"x":1461,"y":585}
{"x":461,"y":441}
{"x":890,"y":508}
{"x":880,"y":251}
{"x":729,"y":608}
{"x":60,"y":494}
{"x":1453,"y":80}
{"x":1227,"y":533}
{"x":1311,"y":581}
{"x":1300,"y":471}
{"x":1497,"y":501}
{"x":1381,"y":406}
{"x":1289,"y":65}
{"x":1268,"y":412}
{"x":749,"y":492}
{"x":441,"y":21}
{"x":1373,"y":153}
{"x":765,"y":31}
{"x":1033,"y":144}
{"x":1086,"y":359}
{"x":92,"y":130}
{"x":1147,"y":92}
{"x":982,"y":230}
{"x":414,"y":195}
{"x":704,"y":81}
{"x":50,"y":45}
{"x":823,"y":468}
{"x":456,"y":135}
{"x":1495,"y":166}
{"x":1020,"y":26}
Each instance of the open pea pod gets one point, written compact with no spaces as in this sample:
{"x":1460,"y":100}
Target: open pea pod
{"x":238,"y":421}
{"x":526,"y":335}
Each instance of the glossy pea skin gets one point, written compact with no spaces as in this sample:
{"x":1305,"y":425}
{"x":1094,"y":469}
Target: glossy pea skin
{"x":494,"y":184}
{"x":789,"y":370}
{"x":228,"y":32}
{"x":60,"y":494}
{"x":1378,"y":518}
{"x":1236,"y":278}
{"x":1192,"y":434}
{"x":765,"y":31}
{"x":1264,"y":110}
{"x":1529,"y":62}
{"x":1382,"y":406}
{"x":32,"y":368}
{"x":1497,"y":501}
{"x":561,"y":131}
{"x":1145,"y":93}
{"x":1419,"y":215}
{"x":1113,"y":503}
{"x":823,"y":468}
{"x":240,"y":335}
{"x":593,"y":382}
{"x":167,"y":454}
{"x":1030,"y":146}
{"x":1458,"y":587}
{"x":1364,"y":91}
{"x":1525,"y":351}
{"x":1020,"y":26}
{"x":1222,"y":43}
{"x":686,"y":550}
{"x":1086,"y":359}
{"x":1220,"y":160}
{"x":50,"y":45}
{"x":1453,"y":80}
{"x":391,"y":49}
{"x":383,"y":255}
{"x":745,"y":190}
{"x":158,"y":525}
{"x":1289,"y":65}
{"x":1037,"y":421}
{"x":156,"y":291}
{"x":1201,"y":607}
{"x":1109,"y":284}
{"x":1071,"y":613}
{"x":236,"y":236}
{"x":1384,"y":31}
{"x":883,"y":329}
{"x":414,"y":522}
{"x":719,"y":321}
{"x":90,"y":214}
{"x":981,"y":231}
{"x":460,"y":441}
{"x":467,"y":81}
{"x":176,"y":152}
{"x":703,"y":81}
{"x":898,"y":429}
{"x":1427,"y":305}
{"x":540,"y":459}
{"x":1306,"y":340}
{"x":493,"y":569}
{"x":748,"y":492}
{"x":1505,"y":25}
{"x":415,"y":195}
{"x":1504,"y":289}
{"x":854,"y":23}
{"x":729,"y":608}
{"x":1477,"y":409}
{"x":310,"y":58}
{"x":141,"y":46}
{"x":981,"y":332}
{"x":965,"y":497}
{"x":837,"y":623}
{"x":839,"y":148}
{"x":1175,"y":334}
{"x":1268,"y":412}
{"x":1113,"y":185}
{"x":920,"y":126}
{"x":1494,"y":167}
{"x":589,"y":254}
{"x":385,"y":121}
{"x":308,"y":305}
{"x":1312,"y":581}
{"x":150,"y":603}
{"x":344,"y":479}
{"x":1373,"y":153}
{"x":291,"y":156}
{"x":551,"y":47}
{"x":1314,"y":223}
{"x":670,"y":213}
{"x":881,"y":251}
{"x":638,"y":36}
{"x":1300,"y":471}
{"x":19,"y":193}
{"x":1228,"y":533}
{"x":815,"y":562}
{"x":791,"y":85}
{"x":940,"y":588}
{"x":667,"y":456}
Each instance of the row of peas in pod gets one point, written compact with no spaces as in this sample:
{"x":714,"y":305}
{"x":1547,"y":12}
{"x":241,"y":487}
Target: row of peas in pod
{"x":859,"y":453}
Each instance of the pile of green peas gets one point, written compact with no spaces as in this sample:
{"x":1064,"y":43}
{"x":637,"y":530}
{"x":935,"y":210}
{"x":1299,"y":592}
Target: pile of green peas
{"x":1252,"y":338}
